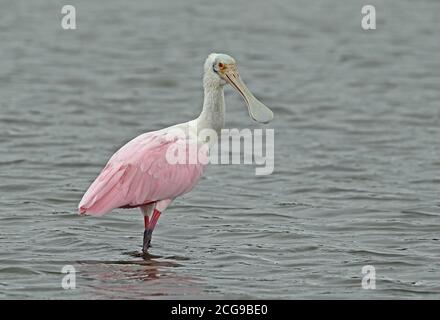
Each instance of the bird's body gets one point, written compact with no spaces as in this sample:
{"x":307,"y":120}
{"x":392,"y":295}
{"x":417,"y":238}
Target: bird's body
{"x":140,"y":173}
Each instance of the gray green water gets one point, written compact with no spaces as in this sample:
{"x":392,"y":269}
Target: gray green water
{"x":357,"y":133}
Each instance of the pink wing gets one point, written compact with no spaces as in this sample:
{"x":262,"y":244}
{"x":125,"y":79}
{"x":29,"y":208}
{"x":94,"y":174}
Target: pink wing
{"x":139,"y":173}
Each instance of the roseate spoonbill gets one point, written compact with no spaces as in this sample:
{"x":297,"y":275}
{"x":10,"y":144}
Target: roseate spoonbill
{"x":139,"y":174}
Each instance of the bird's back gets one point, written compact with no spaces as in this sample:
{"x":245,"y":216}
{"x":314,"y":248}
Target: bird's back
{"x":139,"y":173}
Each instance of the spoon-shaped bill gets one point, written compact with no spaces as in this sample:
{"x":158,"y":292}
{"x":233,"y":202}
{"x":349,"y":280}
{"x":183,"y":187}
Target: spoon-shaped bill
{"x":258,"y":111}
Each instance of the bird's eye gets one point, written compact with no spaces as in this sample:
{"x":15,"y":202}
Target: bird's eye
{"x":221,"y":65}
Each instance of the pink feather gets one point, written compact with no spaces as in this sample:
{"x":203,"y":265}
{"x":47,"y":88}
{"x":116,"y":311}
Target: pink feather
{"x":139,"y":173}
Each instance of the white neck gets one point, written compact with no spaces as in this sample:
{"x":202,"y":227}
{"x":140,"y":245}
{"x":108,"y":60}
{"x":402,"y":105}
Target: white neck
{"x":213,"y":113}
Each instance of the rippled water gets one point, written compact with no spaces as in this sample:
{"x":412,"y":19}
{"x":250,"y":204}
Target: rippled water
{"x":356,"y":178}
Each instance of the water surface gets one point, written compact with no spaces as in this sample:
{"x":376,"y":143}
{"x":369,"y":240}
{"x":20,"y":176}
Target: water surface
{"x":356,"y":178}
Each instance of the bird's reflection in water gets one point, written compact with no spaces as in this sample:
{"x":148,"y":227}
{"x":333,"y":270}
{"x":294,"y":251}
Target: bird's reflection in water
{"x":146,"y":276}
{"x":151,"y":266}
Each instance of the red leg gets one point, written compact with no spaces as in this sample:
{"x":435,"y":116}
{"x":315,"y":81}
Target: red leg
{"x":149,"y":228}
{"x":146,"y":222}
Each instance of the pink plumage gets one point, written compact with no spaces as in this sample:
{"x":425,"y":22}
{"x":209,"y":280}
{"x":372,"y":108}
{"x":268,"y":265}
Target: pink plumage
{"x":139,"y":174}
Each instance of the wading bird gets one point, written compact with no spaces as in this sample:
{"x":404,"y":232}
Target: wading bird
{"x":140,"y":174}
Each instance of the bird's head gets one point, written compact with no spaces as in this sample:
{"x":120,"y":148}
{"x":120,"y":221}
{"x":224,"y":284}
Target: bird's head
{"x":221,"y":69}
